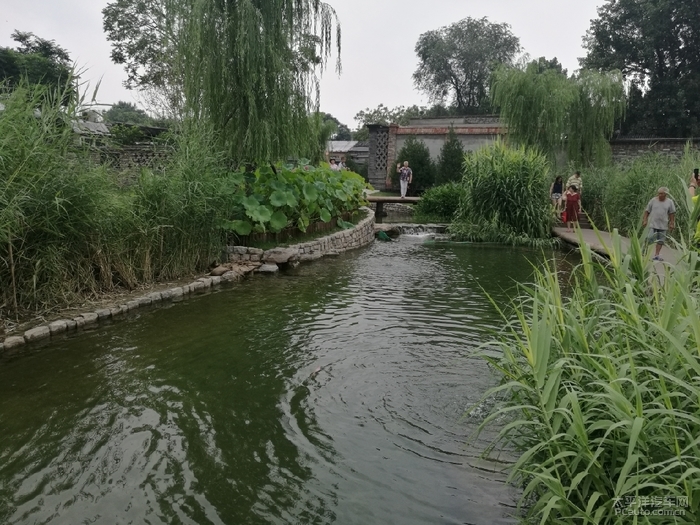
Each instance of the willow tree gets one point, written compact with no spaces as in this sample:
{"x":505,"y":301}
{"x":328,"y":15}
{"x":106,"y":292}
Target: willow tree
{"x":250,"y":70}
{"x":544,"y":108}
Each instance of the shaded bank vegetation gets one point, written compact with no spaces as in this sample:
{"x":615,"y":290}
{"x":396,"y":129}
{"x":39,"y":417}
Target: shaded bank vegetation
{"x":70,"y":228}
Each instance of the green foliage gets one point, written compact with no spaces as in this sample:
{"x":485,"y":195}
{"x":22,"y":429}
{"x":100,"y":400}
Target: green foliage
{"x":249,"y":69}
{"x":599,"y":393}
{"x":126,"y":135}
{"x":400,"y":115}
{"x":456,"y":62}
{"x":126,"y":113}
{"x":418,"y":156}
{"x":274,"y":199}
{"x":620,"y":193}
{"x":505,"y":196}
{"x":655,"y":45}
{"x":37,"y":61}
{"x":449,"y":164}
{"x":68,"y":229}
{"x":342,"y":132}
{"x":440,"y":203}
{"x":548,"y":110}
{"x":143,"y":40}
{"x":360,"y":169}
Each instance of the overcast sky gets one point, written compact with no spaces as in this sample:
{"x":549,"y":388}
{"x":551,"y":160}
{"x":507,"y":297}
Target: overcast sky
{"x":378,"y":41}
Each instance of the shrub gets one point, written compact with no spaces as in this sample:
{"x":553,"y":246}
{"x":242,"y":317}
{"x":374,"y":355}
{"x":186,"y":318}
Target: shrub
{"x":440,"y":203}
{"x":621,"y":192}
{"x":449,"y":164}
{"x":600,"y":392}
{"x":505,"y":190}
{"x":418,"y":156}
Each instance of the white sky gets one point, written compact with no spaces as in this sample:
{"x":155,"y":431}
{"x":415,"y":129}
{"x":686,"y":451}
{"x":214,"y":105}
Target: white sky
{"x":378,"y":41}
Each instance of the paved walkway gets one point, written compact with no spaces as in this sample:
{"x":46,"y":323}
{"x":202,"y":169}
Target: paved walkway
{"x":597,"y":241}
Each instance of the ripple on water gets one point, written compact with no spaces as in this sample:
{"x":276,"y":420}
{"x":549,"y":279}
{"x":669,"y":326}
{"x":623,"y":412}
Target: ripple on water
{"x":333,"y":394}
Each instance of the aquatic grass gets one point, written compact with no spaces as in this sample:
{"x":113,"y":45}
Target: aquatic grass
{"x":504,"y":195}
{"x":600,"y":391}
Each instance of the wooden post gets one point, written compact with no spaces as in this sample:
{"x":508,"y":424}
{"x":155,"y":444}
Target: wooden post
{"x":379,"y":212}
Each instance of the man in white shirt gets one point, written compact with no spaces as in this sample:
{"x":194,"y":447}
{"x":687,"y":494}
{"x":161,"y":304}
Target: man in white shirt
{"x":660,"y":214}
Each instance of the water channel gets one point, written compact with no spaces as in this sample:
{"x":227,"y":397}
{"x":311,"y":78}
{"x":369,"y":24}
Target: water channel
{"x":334,"y":393}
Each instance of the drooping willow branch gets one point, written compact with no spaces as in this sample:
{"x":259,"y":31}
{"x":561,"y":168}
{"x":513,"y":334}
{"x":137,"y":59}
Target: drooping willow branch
{"x":548,"y":110}
{"x":250,"y":70}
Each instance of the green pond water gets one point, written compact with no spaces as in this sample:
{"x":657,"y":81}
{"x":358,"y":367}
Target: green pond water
{"x":334,"y":393}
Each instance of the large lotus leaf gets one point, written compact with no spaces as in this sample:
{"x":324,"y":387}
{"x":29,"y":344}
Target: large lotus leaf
{"x":278,"y":198}
{"x":341,"y":195}
{"x":279,"y":185}
{"x":325,"y":215}
{"x":310,"y":192}
{"x":241,"y":227}
{"x":250,"y":203}
{"x":260,"y":214}
{"x":278,"y":221}
{"x":292,"y":201}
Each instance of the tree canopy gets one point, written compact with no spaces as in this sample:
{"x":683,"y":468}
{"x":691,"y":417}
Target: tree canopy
{"x":656,"y":46}
{"x":36,"y":60}
{"x":126,"y":113}
{"x":341,"y":132}
{"x":246,"y":68}
{"x":456,"y":62}
{"x":544,"y":108}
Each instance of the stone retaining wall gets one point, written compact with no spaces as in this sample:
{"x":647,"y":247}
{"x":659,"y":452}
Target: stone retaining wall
{"x":361,"y":235}
{"x":246,"y":260}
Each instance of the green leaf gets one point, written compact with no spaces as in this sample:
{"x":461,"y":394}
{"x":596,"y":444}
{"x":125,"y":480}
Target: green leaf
{"x":292,"y":201}
{"x":250,"y":203}
{"x":278,"y":221}
{"x":241,"y":227}
{"x":341,"y":195}
{"x":310,"y":192}
{"x":278,"y":198}
{"x":260,"y":214}
{"x":325,"y":215}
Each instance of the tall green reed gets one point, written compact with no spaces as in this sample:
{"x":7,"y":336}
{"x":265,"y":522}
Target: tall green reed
{"x":504,"y":196}
{"x":600,"y":391}
{"x":620,"y":193}
{"x":68,"y":230}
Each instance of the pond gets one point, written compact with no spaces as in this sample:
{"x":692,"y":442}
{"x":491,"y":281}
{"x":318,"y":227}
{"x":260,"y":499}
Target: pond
{"x":334,"y":393}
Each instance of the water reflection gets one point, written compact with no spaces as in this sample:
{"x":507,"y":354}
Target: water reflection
{"x":333,"y":394}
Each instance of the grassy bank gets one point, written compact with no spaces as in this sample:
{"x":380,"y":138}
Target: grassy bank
{"x":69,"y":229}
{"x":600,"y":393}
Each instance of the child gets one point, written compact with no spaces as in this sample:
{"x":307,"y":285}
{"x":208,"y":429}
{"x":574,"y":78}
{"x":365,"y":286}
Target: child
{"x":573,"y":207}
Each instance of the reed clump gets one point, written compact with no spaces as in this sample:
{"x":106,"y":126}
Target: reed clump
{"x":70,"y":229}
{"x":504,"y":197}
{"x":619,"y":193}
{"x":600,"y":392}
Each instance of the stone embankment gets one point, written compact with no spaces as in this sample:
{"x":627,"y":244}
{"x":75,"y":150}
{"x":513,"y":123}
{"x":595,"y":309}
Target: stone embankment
{"x":242,"y":262}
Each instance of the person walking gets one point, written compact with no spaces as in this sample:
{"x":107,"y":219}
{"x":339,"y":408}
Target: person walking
{"x":556,"y":190}
{"x":660,"y":215}
{"x":575,"y":180}
{"x":573,"y":207}
{"x":405,"y":176}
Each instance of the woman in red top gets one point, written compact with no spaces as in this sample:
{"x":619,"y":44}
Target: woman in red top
{"x":573,"y":207}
